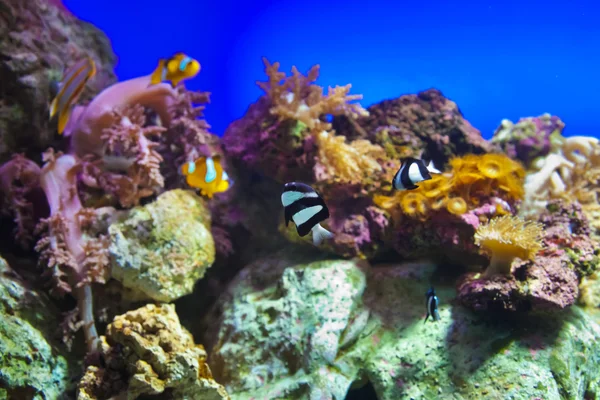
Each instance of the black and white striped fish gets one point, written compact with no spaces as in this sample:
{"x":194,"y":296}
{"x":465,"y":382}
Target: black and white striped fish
{"x":411,"y":172}
{"x":303,"y":205}
{"x":432,"y":305}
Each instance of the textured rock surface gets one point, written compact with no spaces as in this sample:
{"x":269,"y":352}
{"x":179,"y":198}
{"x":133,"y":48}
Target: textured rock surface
{"x":284,"y":323}
{"x":271,"y":306}
{"x":147,"y":352}
{"x":551,"y":280}
{"x":32,"y":364}
{"x":40,"y":39}
{"x":161,"y":249}
{"x":529,"y":138}
{"x":411,"y":123}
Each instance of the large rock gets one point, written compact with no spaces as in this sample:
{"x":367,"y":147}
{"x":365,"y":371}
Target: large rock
{"x":40,"y":39}
{"x":32,"y":364}
{"x":283,"y":305}
{"x":284,"y":324}
{"x":414,"y":122}
{"x":161,"y":249}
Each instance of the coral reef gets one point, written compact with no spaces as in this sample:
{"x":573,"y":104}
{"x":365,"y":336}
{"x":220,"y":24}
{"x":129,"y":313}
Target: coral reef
{"x":530,"y":137}
{"x":33,"y":365}
{"x":41,"y":41}
{"x":547,"y":281}
{"x":147,"y":352}
{"x":383,"y":341}
{"x":414,"y":123}
{"x":443,"y":213}
{"x":160,"y":250}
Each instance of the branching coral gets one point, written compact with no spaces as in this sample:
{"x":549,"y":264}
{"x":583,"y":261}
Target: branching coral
{"x":18,"y":178}
{"x":73,"y":260}
{"x":187,"y":136}
{"x":472,"y":180}
{"x":286,"y":134}
{"x":507,"y":238}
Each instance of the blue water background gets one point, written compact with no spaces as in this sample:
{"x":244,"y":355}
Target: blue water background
{"x":496,"y":59}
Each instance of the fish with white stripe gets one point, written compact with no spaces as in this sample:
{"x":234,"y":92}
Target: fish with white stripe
{"x":305,"y":207}
{"x":411,"y":172}
{"x":432,"y":305}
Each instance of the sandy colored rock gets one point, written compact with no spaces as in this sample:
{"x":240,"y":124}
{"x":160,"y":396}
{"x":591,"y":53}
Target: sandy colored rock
{"x":147,"y":352}
{"x":161,"y":249}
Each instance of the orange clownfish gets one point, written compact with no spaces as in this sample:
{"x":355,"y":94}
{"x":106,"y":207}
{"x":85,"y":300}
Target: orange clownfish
{"x":207,"y":175}
{"x":175,"y":69}
{"x":70,"y":88}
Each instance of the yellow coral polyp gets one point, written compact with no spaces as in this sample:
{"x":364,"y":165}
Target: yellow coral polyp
{"x":470,"y":181}
{"x":456,"y":206}
{"x":492,"y":167}
{"x":414,"y":204}
{"x":507,"y":238}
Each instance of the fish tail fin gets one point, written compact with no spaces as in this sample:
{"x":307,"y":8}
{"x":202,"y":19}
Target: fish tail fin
{"x":156,"y":76}
{"x":63,"y":118}
{"x":320,"y":234}
{"x":431,"y":168}
{"x":436,"y":315}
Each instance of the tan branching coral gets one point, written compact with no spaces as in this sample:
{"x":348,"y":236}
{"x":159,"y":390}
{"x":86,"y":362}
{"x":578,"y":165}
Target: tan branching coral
{"x":147,"y":352}
{"x":507,"y":238}
{"x":340,"y":161}
{"x":297,"y":97}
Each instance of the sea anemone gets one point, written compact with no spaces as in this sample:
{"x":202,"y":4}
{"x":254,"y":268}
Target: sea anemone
{"x":507,"y":238}
{"x":457,"y":206}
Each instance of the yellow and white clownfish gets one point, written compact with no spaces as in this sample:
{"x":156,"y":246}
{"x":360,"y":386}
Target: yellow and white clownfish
{"x":175,"y":69}
{"x":70,"y":88}
{"x":206,"y":174}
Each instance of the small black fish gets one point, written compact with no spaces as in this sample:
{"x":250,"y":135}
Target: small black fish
{"x":432,"y":305}
{"x":303,"y":205}
{"x":411,"y":171}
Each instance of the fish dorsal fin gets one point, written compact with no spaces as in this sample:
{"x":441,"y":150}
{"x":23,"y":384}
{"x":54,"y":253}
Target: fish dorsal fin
{"x":211,"y":172}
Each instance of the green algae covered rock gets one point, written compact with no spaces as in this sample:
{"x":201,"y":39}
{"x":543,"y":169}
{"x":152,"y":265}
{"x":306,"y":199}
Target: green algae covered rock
{"x":32,"y":364}
{"x":283,"y":322}
{"x":466,"y":356}
{"x":277,"y":308}
{"x":161,"y":249}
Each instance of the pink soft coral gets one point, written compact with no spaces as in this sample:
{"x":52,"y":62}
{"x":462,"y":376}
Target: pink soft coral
{"x":73,"y":260}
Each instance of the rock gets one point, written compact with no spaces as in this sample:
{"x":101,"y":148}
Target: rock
{"x":284,"y":323}
{"x":161,"y":249}
{"x":147,"y":352}
{"x":415,"y":122}
{"x":529,"y":138}
{"x":42,"y":39}
{"x":469,"y":356}
{"x":551,"y":280}
{"x":589,"y":290}
{"x":278,"y":305}
{"x":32,"y":364}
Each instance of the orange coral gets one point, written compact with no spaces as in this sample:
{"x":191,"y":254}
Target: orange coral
{"x":470,"y":179}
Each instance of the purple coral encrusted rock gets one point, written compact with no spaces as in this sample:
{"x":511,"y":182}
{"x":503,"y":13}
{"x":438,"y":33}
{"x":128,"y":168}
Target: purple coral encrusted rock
{"x":529,"y":138}
{"x":551,"y":280}
{"x":44,"y":39}
{"x":424,"y":121}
